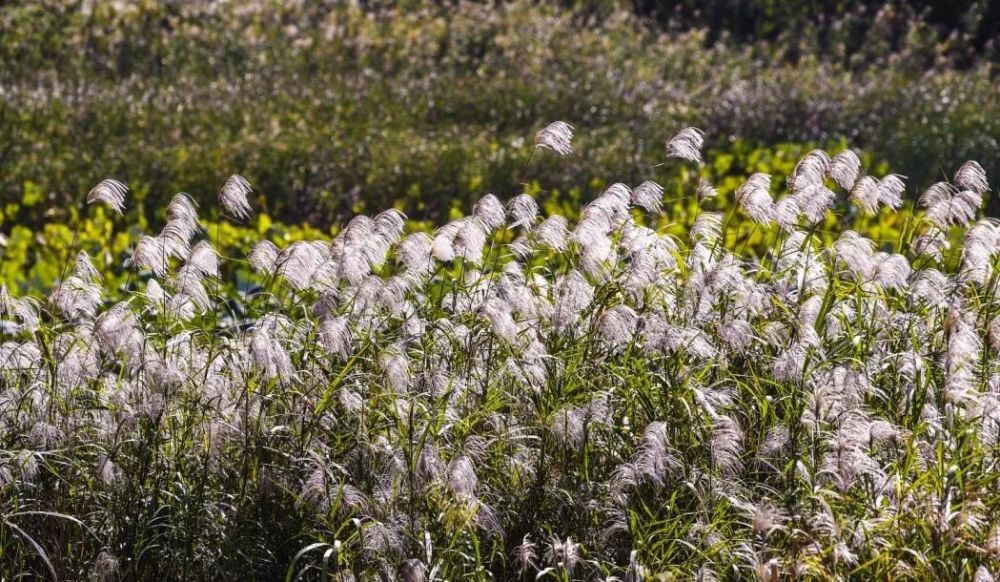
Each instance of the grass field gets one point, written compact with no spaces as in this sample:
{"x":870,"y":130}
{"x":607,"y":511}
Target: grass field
{"x":757,"y":391}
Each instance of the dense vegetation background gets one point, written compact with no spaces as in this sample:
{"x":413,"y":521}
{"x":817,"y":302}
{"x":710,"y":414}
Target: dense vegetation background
{"x":333,"y":107}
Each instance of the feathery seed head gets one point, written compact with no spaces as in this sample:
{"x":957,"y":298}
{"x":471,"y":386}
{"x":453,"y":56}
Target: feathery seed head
{"x":754,"y":197}
{"x":233,"y":197}
{"x":85,"y":269}
{"x":557,"y":136}
{"x":204,"y":260}
{"x":686,"y":145}
{"x":971,"y":176}
{"x":648,"y":196}
{"x":151,"y":253}
{"x":705,"y":190}
{"x":844,"y":169}
{"x":263,"y":257}
{"x":865,"y":194}
{"x":490,"y":212}
{"x":522,"y":210}
{"x":110,"y":192}
{"x":809,"y":171}
{"x":947,"y":205}
{"x":182,"y":208}
{"x":387,"y":226}
{"x":552,"y":232}
{"x":890,"y":191}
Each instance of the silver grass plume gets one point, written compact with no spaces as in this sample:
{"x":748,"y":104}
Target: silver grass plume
{"x":526,"y":555}
{"x":931,"y":243}
{"x":648,"y":196}
{"x":737,"y":335}
{"x":263,"y":257}
{"x":786,"y":213}
{"x":522,"y":210}
{"x":298,"y":262}
{"x":573,"y":295}
{"x":726,"y":445}
{"x":557,"y":136}
{"x":19,"y":357}
{"x":654,"y":461}
{"x":152,"y":253}
{"x":971,"y":176}
{"x":888,"y":271}
{"x":412,"y":570}
{"x":993,"y":334}
{"x":981,"y":246}
{"x":462,"y":479}
{"x":25,"y":311}
{"x":890,"y":191}
{"x":606,"y":213}
{"x":380,"y":538}
{"x":106,"y":567}
{"x":764,"y":518}
{"x":855,"y":251}
{"x":388,"y":225}
{"x":707,"y":228}
{"x":570,"y":424}
{"x":563,"y":554}
{"x":85,"y":269}
{"x":686,"y":145}
{"x":552,"y":232}
{"x":617,"y":325}
{"x":706,"y":574}
{"x":176,"y":236}
{"x":182,"y":207}
{"x":204,"y":260}
{"x":396,"y":368}
{"x":754,"y":198}
{"x":233,"y":197}
{"x":520,"y":248}
{"x":267,"y":352}
{"x":814,"y":200}
{"x":946,"y":205}
{"x":789,"y":366}
{"x":774,"y":447}
{"x":705,"y":190}
{"x":500,"y":316}
{"x":844,"y":169}
{"x":490,"y":212}
{"x":116,"y":329}
{"x":414,"y":252}
{"x":76,"y":297}
{"x":110,"y":192}
{"x":931,"y":287}
{"x":443,"y":246}
{"x":865,"y":194}
{"x":470,"y":241}
{"x":809,"y":171}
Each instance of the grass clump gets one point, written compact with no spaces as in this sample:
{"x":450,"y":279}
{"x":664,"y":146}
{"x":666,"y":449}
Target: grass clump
{"x":521,"y":396}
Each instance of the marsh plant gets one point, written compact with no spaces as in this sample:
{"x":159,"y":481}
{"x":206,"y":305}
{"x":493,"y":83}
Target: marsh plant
{"x":516,"y":396}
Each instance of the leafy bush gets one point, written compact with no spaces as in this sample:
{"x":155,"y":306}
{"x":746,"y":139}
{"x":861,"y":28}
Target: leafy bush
{"x":520,"y":396}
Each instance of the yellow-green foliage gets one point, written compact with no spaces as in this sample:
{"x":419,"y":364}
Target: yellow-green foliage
{"x":36,"y":259}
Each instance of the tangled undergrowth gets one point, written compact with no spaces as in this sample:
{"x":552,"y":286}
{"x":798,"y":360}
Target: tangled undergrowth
{"x":517,"y":397}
